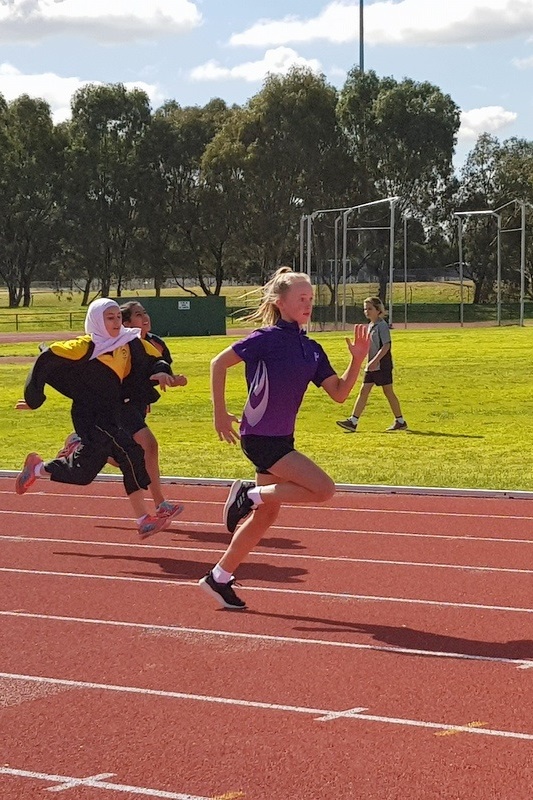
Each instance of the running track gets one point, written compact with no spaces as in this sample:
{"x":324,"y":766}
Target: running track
{"x":388,"y":652}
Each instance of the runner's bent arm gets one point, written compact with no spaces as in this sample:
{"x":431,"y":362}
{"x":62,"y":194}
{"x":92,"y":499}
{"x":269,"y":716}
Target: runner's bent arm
{"x":339,"y":388}
{"x":222,"y":420}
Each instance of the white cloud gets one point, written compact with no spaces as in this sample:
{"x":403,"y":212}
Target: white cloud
{"x":337,"y":72}
{"x":523,"y":63}
{"x":116,"y":21}
{"x":57,"y":91}
{"x":277,"y":61}
{"x":413,"y":22}
{"x":489,"y":119}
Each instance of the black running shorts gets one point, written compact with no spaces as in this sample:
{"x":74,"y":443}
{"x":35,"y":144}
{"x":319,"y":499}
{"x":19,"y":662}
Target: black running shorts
{"x":264,"y":451}
{"x":380,"y":377}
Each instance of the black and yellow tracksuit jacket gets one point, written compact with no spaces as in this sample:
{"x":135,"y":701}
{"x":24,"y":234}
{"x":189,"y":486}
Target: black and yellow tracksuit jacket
{"x":97,"y":389}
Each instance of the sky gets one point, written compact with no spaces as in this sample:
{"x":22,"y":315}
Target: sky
{"x":480,"y":52}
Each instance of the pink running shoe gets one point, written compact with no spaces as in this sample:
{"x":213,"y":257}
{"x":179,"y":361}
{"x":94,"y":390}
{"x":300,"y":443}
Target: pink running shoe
{"x":168,"y":511}
{"x":26,"y":476}
{"x":72,"y":442}
{"x":150,"y":525}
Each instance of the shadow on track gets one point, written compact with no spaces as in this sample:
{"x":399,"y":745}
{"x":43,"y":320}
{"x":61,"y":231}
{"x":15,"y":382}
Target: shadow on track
{"x":182,"y":569}
{"x":214,"y":537}
{"x":413,"y":639}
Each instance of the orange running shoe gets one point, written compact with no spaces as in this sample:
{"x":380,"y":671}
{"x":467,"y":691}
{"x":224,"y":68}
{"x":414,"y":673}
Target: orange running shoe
{"x":26,"y":476}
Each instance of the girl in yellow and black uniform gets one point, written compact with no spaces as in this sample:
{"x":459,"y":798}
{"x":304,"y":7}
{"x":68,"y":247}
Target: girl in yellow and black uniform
{"x":93,"y":371}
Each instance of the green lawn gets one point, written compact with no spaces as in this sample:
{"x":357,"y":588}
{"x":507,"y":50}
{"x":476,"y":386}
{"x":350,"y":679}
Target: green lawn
{"x":52,"y":312}
{"x":466,"y":394}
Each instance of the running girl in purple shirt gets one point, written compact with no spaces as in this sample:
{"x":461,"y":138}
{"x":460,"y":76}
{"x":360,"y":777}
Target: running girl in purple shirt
{"x":280,"y":362}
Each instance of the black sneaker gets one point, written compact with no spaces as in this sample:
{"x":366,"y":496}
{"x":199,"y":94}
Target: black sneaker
{"x":397,"y":426}
{"x":347,"y":425}
{"x":238,"y":505}
{"x":222,"y":592}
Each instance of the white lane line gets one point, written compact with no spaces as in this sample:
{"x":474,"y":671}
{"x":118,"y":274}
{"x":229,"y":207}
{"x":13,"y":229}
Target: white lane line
{"x":326,"y":509}
{"x":186,"y":524}
{"x":91,"y":780}
{"x":95,"y":782}
{"x":520,"y":663}
{"x":340,"y":595}
{"x":233,"y":701}
{"x":269,"y":553}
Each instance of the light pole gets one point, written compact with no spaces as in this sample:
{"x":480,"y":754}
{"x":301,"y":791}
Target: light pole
{"x":361,"y":37}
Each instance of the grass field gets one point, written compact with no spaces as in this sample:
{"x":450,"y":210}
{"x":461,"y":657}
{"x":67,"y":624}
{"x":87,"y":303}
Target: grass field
{"x":466,"y":394}
{"x":52,"y":312}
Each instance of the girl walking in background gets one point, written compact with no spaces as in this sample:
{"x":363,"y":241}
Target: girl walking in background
{"x":91,"y":371}
{"x":280,"y":361}
{"x":378,"y":370}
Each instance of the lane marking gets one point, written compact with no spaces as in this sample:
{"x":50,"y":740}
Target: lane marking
{"x":229,"y":796}
{"x":93,"y":780}
{"x":96,"y":784}
{"x":177,"y":629}
{"x":263,"y":553}
{"x":326,"y":509}
{"x":185,"y":525}
{"x":453,"y":731}
{"x":351,"y":712}
{"x":307,"y":592}
{"x":255,"y":704}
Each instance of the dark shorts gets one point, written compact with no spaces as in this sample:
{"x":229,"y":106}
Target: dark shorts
{"x":264,"y":451}
{"x":380,"y":377}
{"x":133,"y":418}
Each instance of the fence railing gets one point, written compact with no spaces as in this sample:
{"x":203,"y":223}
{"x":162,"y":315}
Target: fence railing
{"x":42,"y":321}
{"x":416,"y":312}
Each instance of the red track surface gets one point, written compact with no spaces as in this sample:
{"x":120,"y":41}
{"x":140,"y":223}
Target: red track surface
{"x":116,"y":671}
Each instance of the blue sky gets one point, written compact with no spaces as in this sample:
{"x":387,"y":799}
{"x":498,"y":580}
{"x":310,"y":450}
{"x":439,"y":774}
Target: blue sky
{"x":478,"y":51}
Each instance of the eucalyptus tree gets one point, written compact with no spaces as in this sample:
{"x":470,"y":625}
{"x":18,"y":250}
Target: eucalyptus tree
{"x":281,"y":155}
{"x":107,"y":127}
{"x":480,"y":189}
{"x":515,"y":177}
{"x":187,"y":221}
{"x":31,"y":166}
{"x":402,"y":137}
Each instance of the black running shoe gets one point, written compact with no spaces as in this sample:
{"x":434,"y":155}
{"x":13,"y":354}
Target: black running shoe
{"x":222,"y":592}
{"x":397,"y":426}
{"x":238,"y":505}
{"x":347,"y":425}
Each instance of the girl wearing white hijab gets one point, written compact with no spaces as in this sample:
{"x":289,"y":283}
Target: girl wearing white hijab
{"x":96,"y":325}
{"x":90,"y":370}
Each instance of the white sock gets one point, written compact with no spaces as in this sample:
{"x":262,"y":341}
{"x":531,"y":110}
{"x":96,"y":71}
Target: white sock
{"x":220,"y":575}
{"x":400,"y":420}
{"x":255,"y":496}
{"x":355,"y":420}
{"x":38,"y":469}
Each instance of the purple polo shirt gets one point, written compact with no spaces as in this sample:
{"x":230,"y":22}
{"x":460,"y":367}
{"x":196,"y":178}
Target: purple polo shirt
{"x":280,"y":363}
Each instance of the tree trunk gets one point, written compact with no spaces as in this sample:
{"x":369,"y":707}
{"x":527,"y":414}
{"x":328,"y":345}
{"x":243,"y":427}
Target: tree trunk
{"x":86,"y":291}
{"x":382,"y":288}
{"x":478,"y":292}
{"x":14,"y":295}
{"x":26,"y":293}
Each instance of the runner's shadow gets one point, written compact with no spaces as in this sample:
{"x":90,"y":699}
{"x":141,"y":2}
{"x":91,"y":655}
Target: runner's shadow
{"x":447,"y":435}
{"x":194,"y":570}
{"x":217,"y":538}
{"x":225,"y":538}
{"x":415,"y":640}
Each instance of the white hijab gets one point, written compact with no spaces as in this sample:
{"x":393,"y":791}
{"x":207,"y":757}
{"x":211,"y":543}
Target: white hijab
{"x":95,"y":326}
